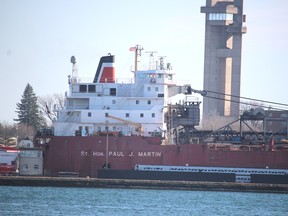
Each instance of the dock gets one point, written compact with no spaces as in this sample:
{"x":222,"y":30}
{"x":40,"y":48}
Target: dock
{"x":140,"y":184}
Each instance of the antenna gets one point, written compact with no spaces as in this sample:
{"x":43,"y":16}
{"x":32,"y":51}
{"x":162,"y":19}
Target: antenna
{"x":151,"y":59}
{"x":161,"y":58}
{"x":74,"y":78}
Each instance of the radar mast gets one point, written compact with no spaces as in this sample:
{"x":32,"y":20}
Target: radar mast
{"x":151,"y":59}
{"x":74,"y":78}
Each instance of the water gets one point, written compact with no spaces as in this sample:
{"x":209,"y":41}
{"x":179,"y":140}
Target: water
{"x":128,"y":202}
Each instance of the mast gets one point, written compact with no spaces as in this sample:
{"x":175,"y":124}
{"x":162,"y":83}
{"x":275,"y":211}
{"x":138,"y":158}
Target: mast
{"x":138,"y":49}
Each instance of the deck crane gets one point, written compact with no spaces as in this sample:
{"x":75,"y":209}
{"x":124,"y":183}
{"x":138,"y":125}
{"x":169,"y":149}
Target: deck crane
{"x":138,"y":126}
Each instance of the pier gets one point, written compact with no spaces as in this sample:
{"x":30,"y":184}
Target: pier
{"x":141,"y":184}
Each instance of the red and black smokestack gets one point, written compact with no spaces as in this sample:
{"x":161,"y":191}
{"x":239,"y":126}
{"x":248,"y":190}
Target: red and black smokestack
{"x":105,"y":72}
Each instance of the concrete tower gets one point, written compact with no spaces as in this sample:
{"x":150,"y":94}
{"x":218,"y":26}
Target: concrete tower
{"x":223,"y":45}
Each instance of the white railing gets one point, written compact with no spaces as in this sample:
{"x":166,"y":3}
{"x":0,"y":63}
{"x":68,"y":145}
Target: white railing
{"x":89,"y":80}
{"x":244,"y":171}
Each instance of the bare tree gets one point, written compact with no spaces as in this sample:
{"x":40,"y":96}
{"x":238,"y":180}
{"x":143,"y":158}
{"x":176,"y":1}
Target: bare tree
{"x":24,"y":131}
{"x":59,"y":101}
{"x":49,"y":104}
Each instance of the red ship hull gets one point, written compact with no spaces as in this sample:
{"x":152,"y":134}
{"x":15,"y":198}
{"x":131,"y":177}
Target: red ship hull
{"x":86,"y":155}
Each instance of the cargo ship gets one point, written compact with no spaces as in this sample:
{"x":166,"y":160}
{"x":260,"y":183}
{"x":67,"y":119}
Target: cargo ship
{"x":146,"y":127}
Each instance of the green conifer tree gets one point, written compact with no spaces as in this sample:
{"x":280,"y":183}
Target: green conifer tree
{"x":28,"y":109}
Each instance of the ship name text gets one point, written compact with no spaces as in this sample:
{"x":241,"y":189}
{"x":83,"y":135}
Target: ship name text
{"x":120,"y":154}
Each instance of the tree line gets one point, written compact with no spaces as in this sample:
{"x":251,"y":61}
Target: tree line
{"x":33,"y":114}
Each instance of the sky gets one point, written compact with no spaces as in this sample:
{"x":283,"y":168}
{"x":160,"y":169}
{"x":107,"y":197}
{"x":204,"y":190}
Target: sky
{"x":37,"y":39}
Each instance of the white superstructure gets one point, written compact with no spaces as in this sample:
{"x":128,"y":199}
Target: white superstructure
{"x":134,"y":107}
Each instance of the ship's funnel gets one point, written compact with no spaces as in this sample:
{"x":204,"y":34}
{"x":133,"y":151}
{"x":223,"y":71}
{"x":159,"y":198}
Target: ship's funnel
{"x":105,"y":71}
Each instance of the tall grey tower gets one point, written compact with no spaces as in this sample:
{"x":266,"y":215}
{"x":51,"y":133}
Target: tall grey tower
{"x":222,"y":67}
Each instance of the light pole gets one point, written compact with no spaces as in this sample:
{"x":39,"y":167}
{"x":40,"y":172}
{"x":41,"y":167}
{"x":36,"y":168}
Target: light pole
{"x":107,"y":145}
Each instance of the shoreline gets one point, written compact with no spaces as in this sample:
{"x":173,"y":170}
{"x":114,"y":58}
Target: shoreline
{"x":141,"y":184}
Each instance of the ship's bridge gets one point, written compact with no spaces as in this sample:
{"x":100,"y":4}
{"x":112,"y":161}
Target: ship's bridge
{"x":155,"y":76}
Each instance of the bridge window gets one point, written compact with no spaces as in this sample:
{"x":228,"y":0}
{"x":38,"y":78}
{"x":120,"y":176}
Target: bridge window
{"x":91,"y":88}
{"x":83,"y":88}
{"x":113,"y":91}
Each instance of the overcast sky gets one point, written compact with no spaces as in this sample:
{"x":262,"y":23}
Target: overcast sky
{"x":38,"y":38}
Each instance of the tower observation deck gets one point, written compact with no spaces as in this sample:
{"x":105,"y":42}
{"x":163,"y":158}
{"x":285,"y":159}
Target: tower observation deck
{"x":223,"y":46}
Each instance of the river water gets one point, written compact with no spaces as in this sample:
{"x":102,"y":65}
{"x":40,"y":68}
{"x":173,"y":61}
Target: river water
{"x":128,"y":202}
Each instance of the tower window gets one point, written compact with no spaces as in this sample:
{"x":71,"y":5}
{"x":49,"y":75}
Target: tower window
{"x":220,"y":16}
{"x":141,"y":115}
